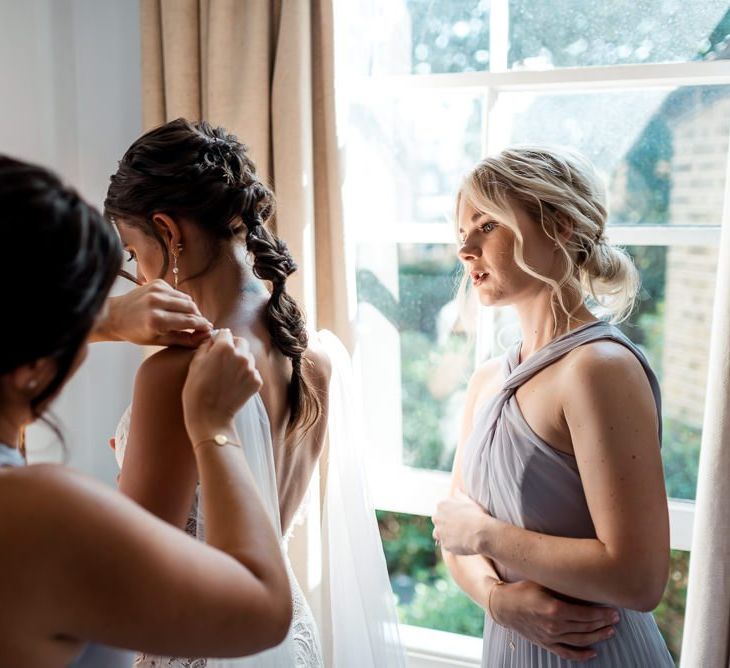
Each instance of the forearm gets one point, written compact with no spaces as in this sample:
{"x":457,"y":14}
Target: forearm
{"x":475,"y":575}
{"x":582,"y":568}
{"x":104,"y":326}
{"x":236,"y":521}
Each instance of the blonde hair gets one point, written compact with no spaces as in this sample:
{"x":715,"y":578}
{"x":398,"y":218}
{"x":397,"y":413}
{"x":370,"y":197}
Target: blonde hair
{"x":560,"y":190}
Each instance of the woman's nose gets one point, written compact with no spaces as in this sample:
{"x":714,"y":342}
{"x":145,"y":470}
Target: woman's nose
{"x":469,"y":251}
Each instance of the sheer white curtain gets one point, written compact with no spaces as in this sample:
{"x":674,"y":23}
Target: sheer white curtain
{"x":706,"y":640}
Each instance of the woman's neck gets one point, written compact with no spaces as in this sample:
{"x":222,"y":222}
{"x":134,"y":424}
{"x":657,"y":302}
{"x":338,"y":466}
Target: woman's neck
{"x":9,"y":430}
{"x":538,"y":323}
{"x":226,"y":286}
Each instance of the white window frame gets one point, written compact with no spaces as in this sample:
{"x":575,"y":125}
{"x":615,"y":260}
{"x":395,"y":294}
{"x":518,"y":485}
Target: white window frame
{"x":404,"y":489}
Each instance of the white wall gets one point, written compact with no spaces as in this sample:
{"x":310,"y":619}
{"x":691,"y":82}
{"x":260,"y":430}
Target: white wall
{"x":70,"y":100}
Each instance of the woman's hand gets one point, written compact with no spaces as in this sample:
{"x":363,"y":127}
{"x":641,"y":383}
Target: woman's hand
{"x":460,"y":524}
{"x":222,"y":377}
{"x":153,"y":314}
{"x":567,"y":629}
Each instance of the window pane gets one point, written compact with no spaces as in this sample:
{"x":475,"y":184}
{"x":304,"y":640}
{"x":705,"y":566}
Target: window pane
{"x":406,"y":155}
{"x":662,"y":154}
{"x":428,"y":597}
{"x":672,"y":325}
{"x":415,"y":360}
{"x":574,"y":33}
{"x":414,"y":36}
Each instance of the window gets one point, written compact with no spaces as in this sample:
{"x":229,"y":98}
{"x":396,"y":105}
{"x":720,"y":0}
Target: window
{"x":640,"y":87}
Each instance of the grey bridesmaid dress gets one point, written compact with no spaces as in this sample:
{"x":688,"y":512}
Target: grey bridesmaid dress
{"x":521,"y":479}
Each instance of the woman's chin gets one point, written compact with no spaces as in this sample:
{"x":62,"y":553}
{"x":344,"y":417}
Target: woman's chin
{"x":488,"y":299}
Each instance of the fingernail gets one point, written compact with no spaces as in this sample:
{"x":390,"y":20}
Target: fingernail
{"x":611,"y":632}
{"x":615,"y":618}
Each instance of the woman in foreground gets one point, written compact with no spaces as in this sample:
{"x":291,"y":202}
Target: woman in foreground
{"x":558,"y":479}
{"x":83,"y":564}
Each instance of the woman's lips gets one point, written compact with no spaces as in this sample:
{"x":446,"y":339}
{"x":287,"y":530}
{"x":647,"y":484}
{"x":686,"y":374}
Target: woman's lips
{"x":478,"y":277}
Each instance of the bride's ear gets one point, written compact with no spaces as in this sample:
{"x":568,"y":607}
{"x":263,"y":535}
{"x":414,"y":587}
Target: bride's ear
{"x":168,"y":229}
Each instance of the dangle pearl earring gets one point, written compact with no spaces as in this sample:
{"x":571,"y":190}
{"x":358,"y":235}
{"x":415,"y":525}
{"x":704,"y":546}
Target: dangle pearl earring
{"x":175,"y":269}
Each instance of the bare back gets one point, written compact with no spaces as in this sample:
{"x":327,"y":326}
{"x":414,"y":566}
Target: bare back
{"x":159,"y":469}
{"x":295,"y":457}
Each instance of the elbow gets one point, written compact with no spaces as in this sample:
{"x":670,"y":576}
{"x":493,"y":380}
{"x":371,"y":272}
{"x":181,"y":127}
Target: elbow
{"x":642,"y":588}
{"x":646,"y":598}
{"x":279,"y":618}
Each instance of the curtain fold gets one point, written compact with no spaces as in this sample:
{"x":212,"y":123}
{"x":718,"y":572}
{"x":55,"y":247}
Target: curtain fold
{"x":706,"y":640}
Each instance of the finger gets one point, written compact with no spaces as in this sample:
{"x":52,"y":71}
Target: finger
{"x":242,"y":345}
{"x":202,"y":350}
{"x":222,"y":337}
{"x":587,"y":639}
{"x":174,"y":322}
{"x":583,"y":627}
{"x":176,"y":304}
{"x":573,"y":653}
{"x":184,"y":339}
{"x":588,"y":613}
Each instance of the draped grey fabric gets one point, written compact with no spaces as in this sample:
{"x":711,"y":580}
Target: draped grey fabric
{"x":521,"y":479}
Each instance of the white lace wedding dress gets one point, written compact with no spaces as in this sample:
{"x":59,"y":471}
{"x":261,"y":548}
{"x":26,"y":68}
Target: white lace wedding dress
{"x":358,"y":615}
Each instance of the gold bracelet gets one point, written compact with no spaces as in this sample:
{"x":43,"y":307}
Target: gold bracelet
{"x":218,"y":439}
{"x":498,"y":582}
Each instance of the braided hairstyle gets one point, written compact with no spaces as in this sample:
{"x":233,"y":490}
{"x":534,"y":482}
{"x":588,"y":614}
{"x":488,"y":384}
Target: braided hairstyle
{"x":195,"y":171}
{"x":62,"y":263}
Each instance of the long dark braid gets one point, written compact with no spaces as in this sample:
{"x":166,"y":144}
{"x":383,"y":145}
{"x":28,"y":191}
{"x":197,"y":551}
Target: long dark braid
{"x":274,"y":263}
{"x":205,"y":174}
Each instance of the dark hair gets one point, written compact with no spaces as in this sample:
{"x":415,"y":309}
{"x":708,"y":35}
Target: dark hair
{"x":195,"y":171}
{"x":61,"y":261}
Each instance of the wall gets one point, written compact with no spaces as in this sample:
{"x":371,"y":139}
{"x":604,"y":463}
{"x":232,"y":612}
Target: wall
{"x":698,"y":176}
{"x":70,"y":99}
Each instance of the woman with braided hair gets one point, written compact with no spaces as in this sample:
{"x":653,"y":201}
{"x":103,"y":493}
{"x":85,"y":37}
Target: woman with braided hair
{"x":191,"y":209}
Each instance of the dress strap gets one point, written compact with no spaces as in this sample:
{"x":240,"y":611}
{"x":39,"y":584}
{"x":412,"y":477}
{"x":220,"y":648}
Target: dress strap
{"x":518,"y":374}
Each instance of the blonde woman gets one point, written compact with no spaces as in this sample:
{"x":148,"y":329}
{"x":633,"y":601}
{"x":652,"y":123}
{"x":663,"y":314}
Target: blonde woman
{"x":558,"y":496}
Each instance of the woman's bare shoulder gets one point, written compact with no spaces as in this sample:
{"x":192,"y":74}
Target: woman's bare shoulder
{"x":611,"y":379}
{"x":602,"y":362}
{"x":167,"y":367}
{"x":319,"y":368}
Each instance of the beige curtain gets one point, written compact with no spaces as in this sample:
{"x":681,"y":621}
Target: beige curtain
{"x":264,"y":70}
{"x":706,"y":639}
